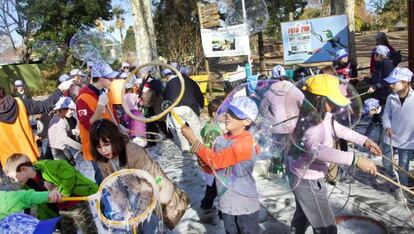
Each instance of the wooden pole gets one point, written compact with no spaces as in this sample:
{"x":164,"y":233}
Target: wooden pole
{"x":395,"y":183}
{"x":210,"y":89}
{"x":410,"y":25}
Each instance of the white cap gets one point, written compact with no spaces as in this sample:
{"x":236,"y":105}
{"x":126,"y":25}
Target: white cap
{"x":382,"y":50}
{"x":63,"y":103}
{"x":278,"y":71}
{"x":76,"y":72}
{"x":398,"y":74}
{"x":64,"y":77}
{"x":18,"y":83}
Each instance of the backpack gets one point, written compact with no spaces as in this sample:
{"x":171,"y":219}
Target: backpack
{"x":395,"y":57}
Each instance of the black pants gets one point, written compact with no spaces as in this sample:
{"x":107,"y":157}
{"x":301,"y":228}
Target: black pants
{"x":209,"y":196}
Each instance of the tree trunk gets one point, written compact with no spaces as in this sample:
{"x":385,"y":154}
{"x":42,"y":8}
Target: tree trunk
{"x":145,"y":40}
{"x":350,"y":11}
{"x":411,"y":34}
{"x":347,"y":7}
{"x":261,"y":53}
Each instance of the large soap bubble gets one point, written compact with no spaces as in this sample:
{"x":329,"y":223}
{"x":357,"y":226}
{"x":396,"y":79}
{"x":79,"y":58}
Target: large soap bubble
{"x":47,"y":50}
{"x":91,"y":45}
{"x":256,"y":15}
{"x":81,"y":45}
{"x":280,"y":131}
{"x":351,"y":115}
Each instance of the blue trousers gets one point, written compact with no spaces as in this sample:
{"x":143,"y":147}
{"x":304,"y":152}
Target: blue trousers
{"x":404,"y":157}
{"x":241,"y":224}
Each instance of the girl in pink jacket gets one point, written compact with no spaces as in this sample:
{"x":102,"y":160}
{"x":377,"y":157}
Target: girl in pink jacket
{"x":308,"y":170}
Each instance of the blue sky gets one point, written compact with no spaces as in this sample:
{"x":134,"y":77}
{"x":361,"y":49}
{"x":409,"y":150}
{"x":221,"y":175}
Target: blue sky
{"x":126,"y":5}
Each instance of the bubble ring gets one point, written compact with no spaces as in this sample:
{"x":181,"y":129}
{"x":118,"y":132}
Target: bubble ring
{"x":139,"y":218}
{"x":158,"y":135}
{"x":162,"y":114}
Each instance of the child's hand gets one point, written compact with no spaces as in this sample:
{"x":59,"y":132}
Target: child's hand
{"x":388,"y":131}
{"x":54,"y":196}
{"x":200,"y":162}
{"x":371,"y":90}
{"x":49,"y":186}
{"x":367,"y":166}
{"x":373,"y":147}
{"x":188,"y":134}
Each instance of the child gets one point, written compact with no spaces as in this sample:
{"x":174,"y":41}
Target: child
{"x":380,"y":88}
{"x":59,"y":130}
{"x":234,"y":151}
{"x":13,"y":203}
{"x":279,"y":72}
{"x":398,"y":123}
{"x":307,"y":174}
{"x":137,"y":129}
{"x":209,"y":132}
{"x":16,"y":201}
{"x":371,"y":107}
{"x":344,"y":68}
{"x":46,"y":175}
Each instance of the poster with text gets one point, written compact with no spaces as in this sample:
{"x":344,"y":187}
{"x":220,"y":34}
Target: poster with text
{"x":228,"y":41}
{"x":314,"y":40}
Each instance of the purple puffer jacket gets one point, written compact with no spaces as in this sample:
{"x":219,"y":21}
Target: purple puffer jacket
{"x":320,"y":151}
{"x":280,"y":105}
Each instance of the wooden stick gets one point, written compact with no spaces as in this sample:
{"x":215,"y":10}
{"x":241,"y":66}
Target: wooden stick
{"x":362,"y":94}
{"x":66,"y":199}
{"x":177,"y":118}
{"x":395,"y":183}
{"x":397,"y":166}
{"x":112,"y":114}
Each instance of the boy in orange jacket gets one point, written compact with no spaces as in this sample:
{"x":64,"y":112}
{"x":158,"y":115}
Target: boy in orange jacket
{"x":232,"y":157}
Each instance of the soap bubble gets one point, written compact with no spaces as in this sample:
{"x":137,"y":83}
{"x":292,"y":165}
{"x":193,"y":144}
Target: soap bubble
{"x":280,"y":132}
{"x":81,"y":45}
{"x":47,"y":50}
{"x":350,"y":115}
{"x":90,"y":45}
{"x":257,"y":15}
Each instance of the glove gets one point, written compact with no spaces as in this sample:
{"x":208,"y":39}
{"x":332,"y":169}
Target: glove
{"x":103,"y":99}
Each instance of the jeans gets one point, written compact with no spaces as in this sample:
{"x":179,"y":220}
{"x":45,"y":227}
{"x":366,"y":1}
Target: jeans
{"x":404,"y":157}
{"x":312,"y":208}
{"x":241,"y":224}
{"x":45,"y":143}
{"x":376,"y":120}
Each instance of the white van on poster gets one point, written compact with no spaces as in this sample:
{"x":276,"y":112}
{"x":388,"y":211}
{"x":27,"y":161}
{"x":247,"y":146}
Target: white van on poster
{"x":228,"y":41}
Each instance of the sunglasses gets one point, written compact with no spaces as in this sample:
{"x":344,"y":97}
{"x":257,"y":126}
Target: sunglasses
{"x":232,"y":115}
{"x":108,"y":78}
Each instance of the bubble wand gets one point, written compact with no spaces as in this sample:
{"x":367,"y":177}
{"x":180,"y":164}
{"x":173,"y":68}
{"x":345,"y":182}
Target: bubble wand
{"x":120,"y":177}
{"x":169,"y":109}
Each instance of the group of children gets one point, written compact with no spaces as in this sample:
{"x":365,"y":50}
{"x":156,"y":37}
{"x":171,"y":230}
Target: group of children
{"x":221,"y":151}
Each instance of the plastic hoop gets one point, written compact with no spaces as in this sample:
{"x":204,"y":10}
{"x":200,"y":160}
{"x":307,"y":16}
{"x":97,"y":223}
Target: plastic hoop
{"x":158,"y":139}
{"x":162,"y":114}
{"x":119,"y":224}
